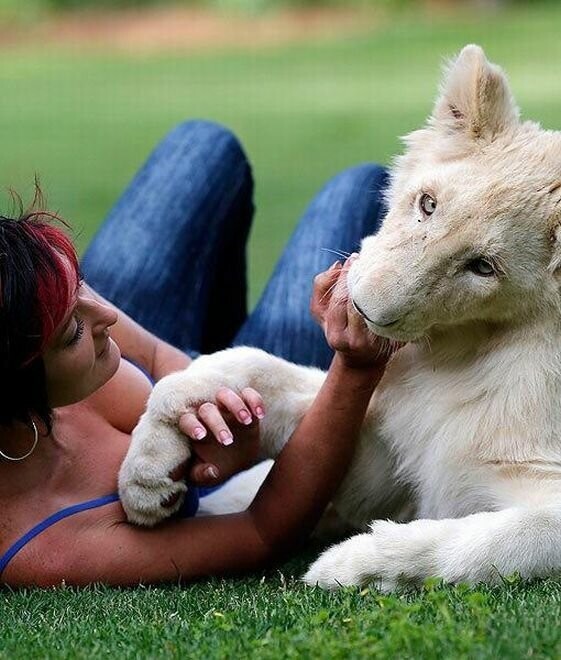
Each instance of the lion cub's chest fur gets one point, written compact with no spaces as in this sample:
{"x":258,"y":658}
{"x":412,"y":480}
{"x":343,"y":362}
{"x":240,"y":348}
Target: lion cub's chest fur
{"x":454,"y":425}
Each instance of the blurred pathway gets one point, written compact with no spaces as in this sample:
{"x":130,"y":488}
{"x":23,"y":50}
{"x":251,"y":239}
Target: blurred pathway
{"x":186,"y":29}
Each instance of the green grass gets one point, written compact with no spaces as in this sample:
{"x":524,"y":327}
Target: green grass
{"x":84,"y":121}
{"x":278,"y":617}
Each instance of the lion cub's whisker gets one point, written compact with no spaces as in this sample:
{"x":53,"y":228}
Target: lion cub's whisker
{"x":339,"y":253}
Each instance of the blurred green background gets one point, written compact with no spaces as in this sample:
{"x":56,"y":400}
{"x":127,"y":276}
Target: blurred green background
{"x":83,"y":114}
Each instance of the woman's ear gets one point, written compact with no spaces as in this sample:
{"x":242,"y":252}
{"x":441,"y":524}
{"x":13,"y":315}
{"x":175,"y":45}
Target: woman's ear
{"x":475,"y":100}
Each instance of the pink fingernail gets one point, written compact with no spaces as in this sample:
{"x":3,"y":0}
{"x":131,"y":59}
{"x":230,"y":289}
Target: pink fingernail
{"x":259,"y":412}
{"x":211,"y":472}
{"x":245,"y":417}
{"x":199,"y":433}
{"x":226,"y":438}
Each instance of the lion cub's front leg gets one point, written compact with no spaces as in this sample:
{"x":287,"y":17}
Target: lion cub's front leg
{"x":158,"y":446}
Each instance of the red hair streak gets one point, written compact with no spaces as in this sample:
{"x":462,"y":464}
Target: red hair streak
{"x":57,"y":282}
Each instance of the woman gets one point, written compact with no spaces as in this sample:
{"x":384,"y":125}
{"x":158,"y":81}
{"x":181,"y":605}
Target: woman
{"x":171,"y":259}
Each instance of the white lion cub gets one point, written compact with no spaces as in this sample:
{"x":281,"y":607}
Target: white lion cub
{"x":464,"y":431}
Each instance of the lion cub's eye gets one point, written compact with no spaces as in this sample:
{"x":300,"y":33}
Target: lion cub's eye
{"x":427,"y":204}
{"x":481,"y":267}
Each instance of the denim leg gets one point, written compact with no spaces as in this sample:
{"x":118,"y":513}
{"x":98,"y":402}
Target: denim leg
{"x":349,"y":207}
{"x":171,"y":253}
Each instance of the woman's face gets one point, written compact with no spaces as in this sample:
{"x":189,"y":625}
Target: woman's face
{"x":81,"y":357}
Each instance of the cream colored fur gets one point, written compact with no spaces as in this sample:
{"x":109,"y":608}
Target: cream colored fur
{"x":463,"y":434}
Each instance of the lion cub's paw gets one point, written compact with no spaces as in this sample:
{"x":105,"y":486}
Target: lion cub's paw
{"x":388,"y":558}
{"x":339,"y":566}
{"x":352,"y":562}
{"x":145,"y":484}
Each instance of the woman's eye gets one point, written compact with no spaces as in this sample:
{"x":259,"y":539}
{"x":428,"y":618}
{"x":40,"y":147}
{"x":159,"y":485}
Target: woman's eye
{"x":481,"y":267}
{"x":427,"y":204}
{"x":78,"y":333}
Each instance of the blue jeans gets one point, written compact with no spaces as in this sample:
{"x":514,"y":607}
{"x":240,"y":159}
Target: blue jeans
{"x":172,"y":252}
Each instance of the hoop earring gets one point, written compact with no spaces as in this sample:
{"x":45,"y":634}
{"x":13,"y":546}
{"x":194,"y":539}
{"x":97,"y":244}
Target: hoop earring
{"x":14,"y":459}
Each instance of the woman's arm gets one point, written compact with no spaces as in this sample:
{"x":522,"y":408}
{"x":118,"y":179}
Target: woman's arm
{"x":287,"y":507}
{"x":316,"y":458}
{"x":154,"y":355}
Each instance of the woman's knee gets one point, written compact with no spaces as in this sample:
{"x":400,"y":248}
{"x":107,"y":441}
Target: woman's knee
{"x":212,"y":145}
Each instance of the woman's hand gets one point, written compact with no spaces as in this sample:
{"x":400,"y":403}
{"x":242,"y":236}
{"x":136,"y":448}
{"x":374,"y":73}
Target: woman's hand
{"x":225,"y":437}
{"x":344,"y":329}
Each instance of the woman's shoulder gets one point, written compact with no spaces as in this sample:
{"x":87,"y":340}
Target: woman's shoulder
{"x":123,"y":398}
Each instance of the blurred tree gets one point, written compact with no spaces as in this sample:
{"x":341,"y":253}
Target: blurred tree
{"x":23,"y":8}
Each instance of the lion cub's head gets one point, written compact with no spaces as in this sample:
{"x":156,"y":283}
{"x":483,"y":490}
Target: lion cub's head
{"x":472,"y":234}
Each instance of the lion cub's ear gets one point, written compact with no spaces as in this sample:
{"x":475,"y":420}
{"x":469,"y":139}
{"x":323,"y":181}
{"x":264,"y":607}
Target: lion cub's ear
{"x":475,"y":99}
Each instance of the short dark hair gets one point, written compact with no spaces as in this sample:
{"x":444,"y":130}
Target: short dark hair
{"x":35,"y":295}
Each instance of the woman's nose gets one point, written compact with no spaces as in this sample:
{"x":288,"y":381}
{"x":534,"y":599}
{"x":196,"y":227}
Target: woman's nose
{"x":106,"y":317}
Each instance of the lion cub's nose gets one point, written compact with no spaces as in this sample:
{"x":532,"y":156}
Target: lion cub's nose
{"x":381,"y":322}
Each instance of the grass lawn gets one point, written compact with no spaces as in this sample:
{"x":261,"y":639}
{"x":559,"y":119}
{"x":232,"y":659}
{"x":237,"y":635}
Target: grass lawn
{"x":84,"y":121}
{"x":277,"y":617}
